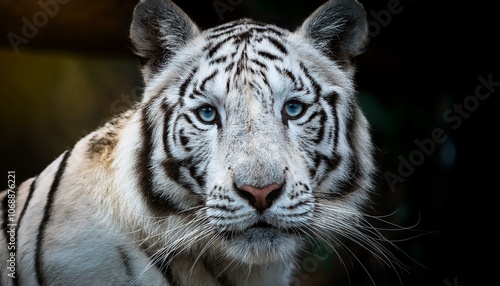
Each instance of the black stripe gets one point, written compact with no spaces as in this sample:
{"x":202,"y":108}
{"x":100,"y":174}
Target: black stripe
{"x":253,"y":71}
{"x":298,"y":84}
{"x":172,"y":166}
{"x":268,"y":29}
{"x":159,"y":260}
{"x":208,"y":78}
{"x":351,"y":184}
{"x":199,"y":178}
{"x":290,"y":75}
{"x":228,"y":86}
{"x":184,"y":141}
{"x":214,"y":49}
{"x":333,"y":162}
{"x":321,"y":114}
{"x":190,"y":122}
{"x":334,"y":102}
{"x":229,"y":67}
{"x":222,"y":29}
{"x":224,"y":208}
{"x":259,"y":63}
{"x":266,"y":82}
{"x":321,"y":130}
{"x":269,"y":56}
{"x":244,"y":24}
{"x":187,"y":81}
{"x":242,"y":37}
{"x":173,"y":169}
{"x":317,"y":160}
{"x":27,"y":203}
{"x":195,"y":93}
{"x":278,"y":45}
{"x":241,"y":65}
{"x":129,"y":271}
{"x":314,"y":83}
{"x":157,"y":203}
{"x":250,"y":26}
{"x":143,"y":169}
{"x":167,"y":111}
{"x":21,"y":216}
{"x":226,"y":33}
{"x":46,"y":217}
{"x":218,"y":60}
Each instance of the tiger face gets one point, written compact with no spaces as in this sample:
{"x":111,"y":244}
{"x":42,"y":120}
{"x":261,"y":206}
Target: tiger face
{"x":257,"y":132}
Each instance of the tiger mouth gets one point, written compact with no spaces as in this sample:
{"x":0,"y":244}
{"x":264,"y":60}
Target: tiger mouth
{"x":262,"y":224}
{"x":258,"y":227}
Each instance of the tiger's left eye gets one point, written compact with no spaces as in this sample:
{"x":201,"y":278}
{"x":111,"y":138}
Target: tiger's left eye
{"x":294,"y":109}
{"x":207,"y":113}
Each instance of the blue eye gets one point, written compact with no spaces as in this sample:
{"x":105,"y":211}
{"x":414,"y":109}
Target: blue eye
{"x":293,"y":109}
{"x":207,"y":114}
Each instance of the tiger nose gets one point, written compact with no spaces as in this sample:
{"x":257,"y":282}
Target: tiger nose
{"x":260,"y":198}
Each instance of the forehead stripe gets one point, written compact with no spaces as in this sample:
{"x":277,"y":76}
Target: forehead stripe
{"x":259,"y":63}
{"x":251,"y":27}
{"x":210,"y":77}
{"x":218,"y":60}
{"x":216,"y":47}
{"x":187,"y":81}
{"x":314,"y":83}
{"x":269,"y":56}
{"x":278,"y":45}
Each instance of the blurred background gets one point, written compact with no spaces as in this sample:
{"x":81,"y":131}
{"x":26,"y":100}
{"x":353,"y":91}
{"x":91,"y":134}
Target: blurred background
{"x":428,"y":83}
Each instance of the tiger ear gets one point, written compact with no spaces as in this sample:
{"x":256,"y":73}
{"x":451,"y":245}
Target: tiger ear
{"x":338,"y":29}
{"x":159,"y":29}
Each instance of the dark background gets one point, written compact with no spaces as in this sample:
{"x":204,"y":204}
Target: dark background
{"x":418,"y":77}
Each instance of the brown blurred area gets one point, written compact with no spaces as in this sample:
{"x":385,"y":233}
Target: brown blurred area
{"x":66,"y":66}
{"x":76,"y":25}
{"x":62,"y":64}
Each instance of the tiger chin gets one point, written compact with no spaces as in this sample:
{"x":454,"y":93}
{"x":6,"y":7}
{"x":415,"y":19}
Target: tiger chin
{"x":248,"y":143}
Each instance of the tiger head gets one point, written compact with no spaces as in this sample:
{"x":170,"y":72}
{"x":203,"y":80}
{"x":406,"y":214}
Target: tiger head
{"x":255,"y":132}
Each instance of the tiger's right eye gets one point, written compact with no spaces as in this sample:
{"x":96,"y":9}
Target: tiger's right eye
{"x":207,"y":114}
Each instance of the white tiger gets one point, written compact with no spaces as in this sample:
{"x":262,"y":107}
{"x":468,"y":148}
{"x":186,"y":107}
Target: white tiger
{"x":248,"y":141}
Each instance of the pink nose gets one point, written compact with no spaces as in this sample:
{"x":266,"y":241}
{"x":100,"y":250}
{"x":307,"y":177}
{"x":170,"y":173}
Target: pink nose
{"x":260,"y":198}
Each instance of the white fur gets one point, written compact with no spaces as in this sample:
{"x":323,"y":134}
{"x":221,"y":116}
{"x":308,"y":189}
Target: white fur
{"x":104,"y":227}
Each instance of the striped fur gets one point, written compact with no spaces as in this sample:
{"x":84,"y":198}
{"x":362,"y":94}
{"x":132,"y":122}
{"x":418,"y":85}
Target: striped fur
{"x":161,"y":196}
